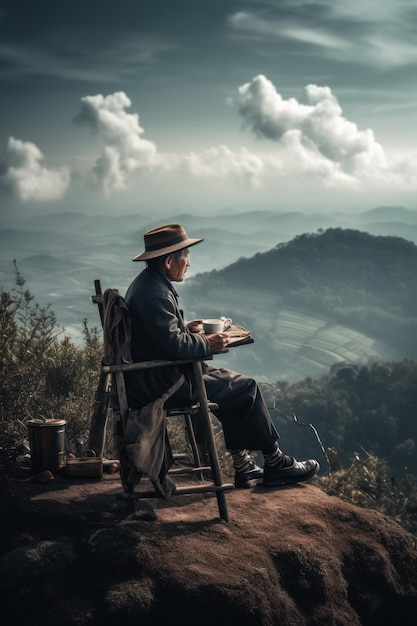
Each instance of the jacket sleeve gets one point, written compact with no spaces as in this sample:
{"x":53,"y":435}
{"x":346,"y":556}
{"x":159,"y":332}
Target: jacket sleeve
{"x":165,"y":328}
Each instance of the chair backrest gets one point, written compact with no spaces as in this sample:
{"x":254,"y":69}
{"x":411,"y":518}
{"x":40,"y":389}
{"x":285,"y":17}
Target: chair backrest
{"x":117,"y":329}
{"x":116,"y":322}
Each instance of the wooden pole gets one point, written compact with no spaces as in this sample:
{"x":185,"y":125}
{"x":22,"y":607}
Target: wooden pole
{"x":98,"y":421}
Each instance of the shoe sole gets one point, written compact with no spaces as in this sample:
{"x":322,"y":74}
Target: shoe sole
{"x":249,"y":484}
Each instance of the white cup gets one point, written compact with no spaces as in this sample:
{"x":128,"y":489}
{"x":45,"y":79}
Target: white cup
{"x":215,"y":325}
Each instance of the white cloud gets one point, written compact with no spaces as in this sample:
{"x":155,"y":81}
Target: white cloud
{"x":376,"y":32}
{"x":221,"y":162}
{"x":261,"y":27}
{"x":316,"y":137}
{"x":297,"y":162}
{"x":126,"y":155}
{"x":125,"y":152}
{"x":22,"y":174}
{"x":310,"y":140}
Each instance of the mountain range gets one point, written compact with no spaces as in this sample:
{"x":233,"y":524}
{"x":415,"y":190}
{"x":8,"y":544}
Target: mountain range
{"x":61,"y":255}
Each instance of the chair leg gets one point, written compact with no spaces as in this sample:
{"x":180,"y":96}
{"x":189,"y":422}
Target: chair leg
{"x":192,"y":440}
{"x":211,"y":444}
{"x":98,"y":420}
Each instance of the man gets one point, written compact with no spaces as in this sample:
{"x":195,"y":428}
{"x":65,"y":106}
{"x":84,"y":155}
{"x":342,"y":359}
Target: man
{"x":159,"y":332}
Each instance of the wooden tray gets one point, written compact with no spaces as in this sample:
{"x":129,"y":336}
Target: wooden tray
{"x":238,"y":336}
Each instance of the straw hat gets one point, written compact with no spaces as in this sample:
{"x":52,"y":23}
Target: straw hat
{"x":163,"y":240}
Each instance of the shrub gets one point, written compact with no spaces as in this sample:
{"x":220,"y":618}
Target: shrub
{"x":43,"y":375}
{"x":368,"y":483}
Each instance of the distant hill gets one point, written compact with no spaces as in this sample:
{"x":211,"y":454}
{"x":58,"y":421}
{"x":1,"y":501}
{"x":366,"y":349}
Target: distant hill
{"x":342,"y":267}
{"x":391,"y":214}
{"x":320,"y":298}
{"x":61,"y":254}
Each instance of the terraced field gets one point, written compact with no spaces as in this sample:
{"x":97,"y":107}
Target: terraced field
{"x":289,"y":344}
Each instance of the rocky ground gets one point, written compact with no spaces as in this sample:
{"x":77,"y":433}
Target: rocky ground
{"x":72,"y":553}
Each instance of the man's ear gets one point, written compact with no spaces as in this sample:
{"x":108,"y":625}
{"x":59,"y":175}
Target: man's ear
{"x":168,"y":261}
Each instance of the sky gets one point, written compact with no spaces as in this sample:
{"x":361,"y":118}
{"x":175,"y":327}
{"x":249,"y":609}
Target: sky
{"x":205,"y":106}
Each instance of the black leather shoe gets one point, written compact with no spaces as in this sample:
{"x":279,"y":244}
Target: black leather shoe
{"x":246,"y":480}
{"x":297,"y":472}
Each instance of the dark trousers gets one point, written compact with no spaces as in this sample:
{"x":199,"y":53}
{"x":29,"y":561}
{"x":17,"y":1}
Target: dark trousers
{"x":242,"y":410}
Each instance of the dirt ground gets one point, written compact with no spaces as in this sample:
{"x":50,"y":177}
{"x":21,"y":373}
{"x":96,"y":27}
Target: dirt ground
{"x":288,"y":556}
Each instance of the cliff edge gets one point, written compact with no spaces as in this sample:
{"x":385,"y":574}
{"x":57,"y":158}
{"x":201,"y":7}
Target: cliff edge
{"x":74,"y":554}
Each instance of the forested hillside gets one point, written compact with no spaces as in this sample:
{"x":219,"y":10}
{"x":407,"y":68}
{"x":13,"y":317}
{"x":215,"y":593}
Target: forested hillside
{"x":345,"y":277}
{"x":356,"y":278}
{"x":355,"y":409}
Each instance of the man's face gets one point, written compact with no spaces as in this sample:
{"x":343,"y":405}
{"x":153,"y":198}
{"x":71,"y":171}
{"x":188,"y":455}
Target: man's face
{"x":176,"y":268}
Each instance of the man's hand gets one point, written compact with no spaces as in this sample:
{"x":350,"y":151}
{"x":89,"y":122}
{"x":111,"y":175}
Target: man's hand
{"x":218,"y":342}
{"x":195,"y":326}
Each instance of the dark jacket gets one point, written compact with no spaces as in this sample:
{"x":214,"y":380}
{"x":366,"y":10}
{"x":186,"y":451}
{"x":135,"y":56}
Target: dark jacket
{"x":159,"y":332}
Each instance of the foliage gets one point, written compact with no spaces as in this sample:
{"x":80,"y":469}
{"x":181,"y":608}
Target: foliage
{"x":367,"y":483}
{"x":370,"y":406}
{"x":42,"y":374}
{"x":180,"y":444}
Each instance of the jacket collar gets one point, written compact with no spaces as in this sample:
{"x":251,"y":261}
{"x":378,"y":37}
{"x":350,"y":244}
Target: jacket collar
{"x":163,"y":279}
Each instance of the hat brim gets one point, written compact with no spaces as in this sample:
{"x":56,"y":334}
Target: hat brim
{"x":187,"y":243}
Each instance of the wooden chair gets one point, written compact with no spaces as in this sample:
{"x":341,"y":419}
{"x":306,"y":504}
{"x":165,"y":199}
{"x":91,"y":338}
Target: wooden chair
{"x":204,"y":467}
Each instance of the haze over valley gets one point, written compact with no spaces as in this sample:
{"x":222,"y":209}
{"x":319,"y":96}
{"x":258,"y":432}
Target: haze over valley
{"x":61,"y":255}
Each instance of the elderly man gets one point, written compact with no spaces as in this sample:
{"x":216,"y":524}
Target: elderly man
{"x":159,"y":332}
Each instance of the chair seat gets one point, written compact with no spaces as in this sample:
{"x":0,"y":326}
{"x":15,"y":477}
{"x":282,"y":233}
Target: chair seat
{"x":190,"y":410}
